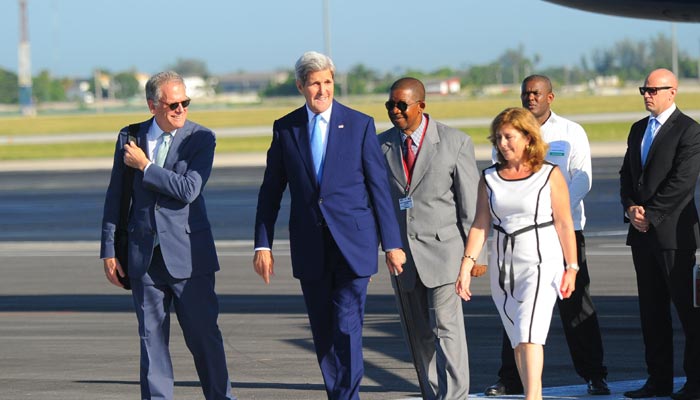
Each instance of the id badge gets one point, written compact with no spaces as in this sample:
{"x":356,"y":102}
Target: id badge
{"x":405,"y":203}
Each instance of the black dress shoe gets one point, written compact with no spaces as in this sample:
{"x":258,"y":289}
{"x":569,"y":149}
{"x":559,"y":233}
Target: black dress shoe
{"x":648,"y":390}
{"x":501,"y":388}
{"x":688,"y":392}
{"x":598,"y":387}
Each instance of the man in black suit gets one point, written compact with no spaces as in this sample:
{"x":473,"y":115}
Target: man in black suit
{"x":657,"y":185}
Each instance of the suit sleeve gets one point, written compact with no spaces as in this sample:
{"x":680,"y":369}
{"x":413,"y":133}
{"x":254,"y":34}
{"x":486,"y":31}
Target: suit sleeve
{"x":466,"y":181}
{"x":626,"y":179}
{"x":110,"y":215}
{"x":377,"y":182}
{"x":186,"y":185}
{"x":679,"y":184}
{"x":271,"y":191}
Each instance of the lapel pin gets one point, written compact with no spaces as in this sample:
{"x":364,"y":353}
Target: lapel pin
{"x":341,"y":126}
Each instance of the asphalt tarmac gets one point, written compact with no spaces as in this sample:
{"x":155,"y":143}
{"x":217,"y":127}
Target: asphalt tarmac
{"x":67,"y":334}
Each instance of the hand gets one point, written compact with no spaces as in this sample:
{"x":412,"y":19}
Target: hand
{"x":478,"y":270}
{"x":568,"y":283}
{"x":134,"y":157}
{"x":464,"y":280}
{"x":112,"y":268}
{"x":395,"y":259}
{"x":264,"y":264}
{"x":638,"y":219}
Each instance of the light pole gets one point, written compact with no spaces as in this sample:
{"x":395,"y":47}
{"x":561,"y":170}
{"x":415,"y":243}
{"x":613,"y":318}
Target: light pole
{"x":24,"y":70}
{"x":674,"y":49}
{"x":326,"y":28}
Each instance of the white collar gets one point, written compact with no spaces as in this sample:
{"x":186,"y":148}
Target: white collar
{"x":665,"y":115}
{"x":326,"y":115}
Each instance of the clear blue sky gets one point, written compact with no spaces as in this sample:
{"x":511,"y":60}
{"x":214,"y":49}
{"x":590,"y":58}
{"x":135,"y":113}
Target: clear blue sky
{"x":72,"y":37}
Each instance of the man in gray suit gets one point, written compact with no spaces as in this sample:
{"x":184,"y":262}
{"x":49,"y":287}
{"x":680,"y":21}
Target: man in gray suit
{"x":433,"y":179}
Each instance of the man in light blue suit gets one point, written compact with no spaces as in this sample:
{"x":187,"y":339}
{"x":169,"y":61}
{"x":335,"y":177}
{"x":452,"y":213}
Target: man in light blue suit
{"x":172,"y":258}
{"x":329,"y":156}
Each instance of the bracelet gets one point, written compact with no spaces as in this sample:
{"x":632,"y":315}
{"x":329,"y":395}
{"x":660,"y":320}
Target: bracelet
{"x":469,"y":257}
{"x":573,"y":266}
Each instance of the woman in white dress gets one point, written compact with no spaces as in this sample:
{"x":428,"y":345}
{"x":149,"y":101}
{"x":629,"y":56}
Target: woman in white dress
{"x":533,"y":252}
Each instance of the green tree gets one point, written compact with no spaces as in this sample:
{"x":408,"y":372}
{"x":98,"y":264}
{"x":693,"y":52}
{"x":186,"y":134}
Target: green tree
{"x":9,"y":88}
{"x":361,"y":80}
{"x":481,"y":75}
{"x":126,"y":85}
{"x":190,"y":67}
{"x":46,"y":89}
{"x":286,"y":88}
{"x":632,"y":60}
{"x":515,"y":64}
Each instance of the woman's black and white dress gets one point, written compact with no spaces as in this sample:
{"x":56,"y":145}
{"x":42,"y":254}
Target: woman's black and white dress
{"x":525,"y":258}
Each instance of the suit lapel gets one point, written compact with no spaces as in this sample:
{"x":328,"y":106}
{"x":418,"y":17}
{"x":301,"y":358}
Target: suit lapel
{"x":428,"y":149}
{"x":394,"y":157}
{"x":302,"y":139}
{"x":174,"y":151}
{"x":336,"y":140}
{"x":657,"y":143}
{"x":143,"y":135}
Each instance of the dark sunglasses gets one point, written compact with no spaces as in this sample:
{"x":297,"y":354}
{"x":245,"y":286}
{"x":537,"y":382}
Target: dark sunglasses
{"x":652,"y":90}
{"x":175,"y":105}
{"x":401,"y":105}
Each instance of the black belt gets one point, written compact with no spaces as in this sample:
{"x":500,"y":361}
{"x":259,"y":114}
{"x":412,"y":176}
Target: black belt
{"x":502,"y":265}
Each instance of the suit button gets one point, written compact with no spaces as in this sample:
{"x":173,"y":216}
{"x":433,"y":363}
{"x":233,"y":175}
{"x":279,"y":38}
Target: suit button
{"x":157,"y":207}
{"x":412,"y":236}
{"x":411,"y":219}
{"x":320,"y":201}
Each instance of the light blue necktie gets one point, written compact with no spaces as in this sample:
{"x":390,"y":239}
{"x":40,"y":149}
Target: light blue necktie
{"x":161,"y":154}
{"x":317,"y":149}
{"x":163,"y":147}
{"x":648,"y":138}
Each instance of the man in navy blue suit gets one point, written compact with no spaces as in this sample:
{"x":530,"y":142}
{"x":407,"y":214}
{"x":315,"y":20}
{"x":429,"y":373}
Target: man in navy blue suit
{"x":329,"y":156}
{"x":172,"y":258}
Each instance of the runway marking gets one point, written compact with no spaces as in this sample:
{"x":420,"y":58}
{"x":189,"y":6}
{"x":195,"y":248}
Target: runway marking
{"x":576,"y":391}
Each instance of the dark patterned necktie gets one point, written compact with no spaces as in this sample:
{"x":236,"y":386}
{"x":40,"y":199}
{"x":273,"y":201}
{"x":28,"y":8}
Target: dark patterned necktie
{"x":409,"y":155}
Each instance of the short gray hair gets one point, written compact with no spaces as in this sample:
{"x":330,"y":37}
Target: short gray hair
{"x":312,"y":61}
{"x":156,"y":82}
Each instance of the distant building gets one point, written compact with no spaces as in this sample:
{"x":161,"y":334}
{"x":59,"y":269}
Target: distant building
{"x":443,"y":86}
{"x":79,"y":90}
{"x":198,"y":87}
{"x":250,"y":82}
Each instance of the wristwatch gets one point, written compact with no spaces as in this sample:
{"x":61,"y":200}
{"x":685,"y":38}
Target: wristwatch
{"x":573,"y":266}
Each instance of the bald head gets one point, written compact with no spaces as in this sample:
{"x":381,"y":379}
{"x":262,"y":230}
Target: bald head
{"x":666,"y":85}
{"x":662,"y":76}
{"x":411,"y":84}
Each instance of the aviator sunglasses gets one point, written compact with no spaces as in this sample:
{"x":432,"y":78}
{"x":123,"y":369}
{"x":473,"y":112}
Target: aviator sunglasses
{"x":175,"y":105}
{"x":652,"y":90}
{"x":401,"y":105}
